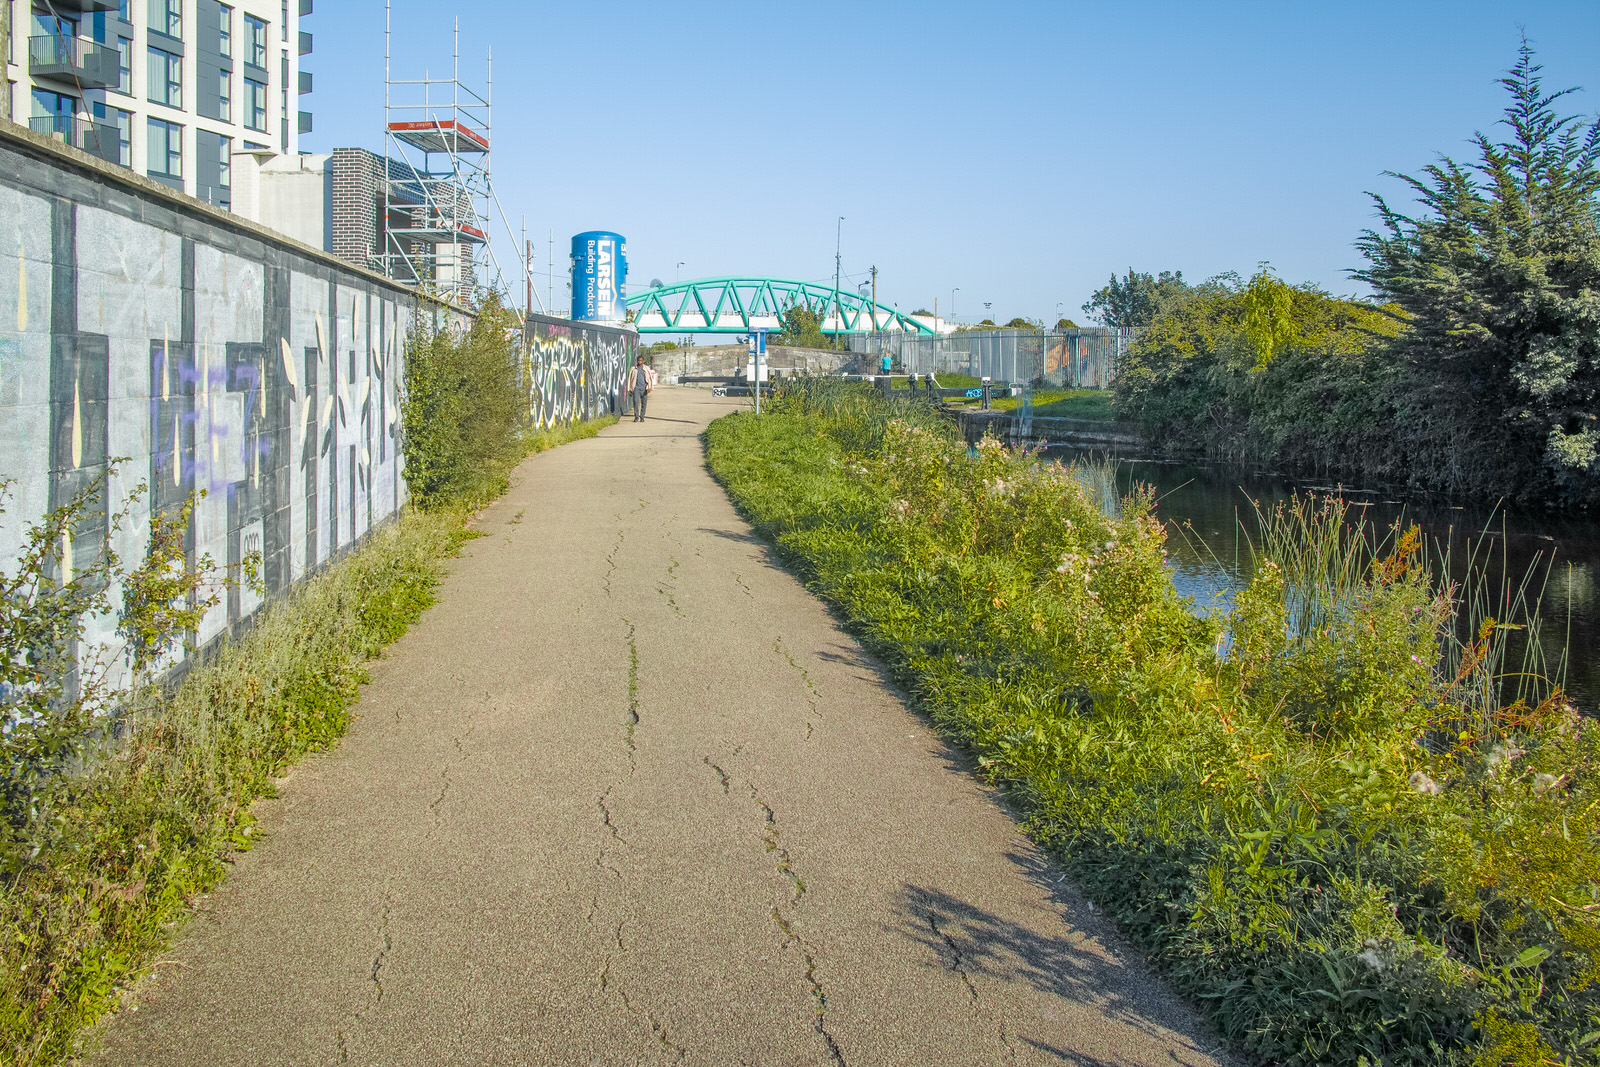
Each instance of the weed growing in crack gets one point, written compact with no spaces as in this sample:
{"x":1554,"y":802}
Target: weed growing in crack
{"x":721,"y":774}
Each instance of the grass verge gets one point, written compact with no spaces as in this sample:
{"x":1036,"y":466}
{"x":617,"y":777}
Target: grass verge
{"x":1065,"y":404}
{"x":124,"y":846}
{"x":136,"y":837}
{"x":1315,"y":814}
{"x":536,"y":441}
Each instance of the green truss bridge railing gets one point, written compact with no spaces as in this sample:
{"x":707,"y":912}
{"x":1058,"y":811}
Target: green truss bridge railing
{"x":739,"y":305}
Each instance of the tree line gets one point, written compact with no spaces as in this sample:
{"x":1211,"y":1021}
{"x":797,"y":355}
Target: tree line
{"x":1475,"y":369}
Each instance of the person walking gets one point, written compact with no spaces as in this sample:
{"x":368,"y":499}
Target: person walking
{"x":641,"y":380}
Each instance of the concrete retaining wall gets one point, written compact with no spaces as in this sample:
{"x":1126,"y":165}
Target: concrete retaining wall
{"x":725,"y":359}
{"x":576,"y":369}
{"x":208,"y":353}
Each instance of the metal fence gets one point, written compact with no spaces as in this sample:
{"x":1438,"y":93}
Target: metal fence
{"x":1071,"y":359}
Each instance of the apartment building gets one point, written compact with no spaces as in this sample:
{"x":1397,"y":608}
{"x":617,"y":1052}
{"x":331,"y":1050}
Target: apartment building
{"x":169,"y":88}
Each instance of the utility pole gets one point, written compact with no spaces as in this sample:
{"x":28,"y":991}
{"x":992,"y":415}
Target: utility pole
{"x":527,"y":250}
{"x":550,"y":276}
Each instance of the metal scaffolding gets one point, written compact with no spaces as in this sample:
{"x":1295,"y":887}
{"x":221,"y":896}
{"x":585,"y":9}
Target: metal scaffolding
{"x":436,"y":187}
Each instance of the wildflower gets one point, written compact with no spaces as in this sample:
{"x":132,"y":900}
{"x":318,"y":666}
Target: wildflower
{"x":1425,"y":785}
{"x":1500,"y":757}
{"x":1544,"y":783}
{"x":1372,"y":958}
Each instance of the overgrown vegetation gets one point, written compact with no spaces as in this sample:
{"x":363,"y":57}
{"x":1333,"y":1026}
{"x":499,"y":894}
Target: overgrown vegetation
{"x":122,"y":800}
{"x":1341,"y":827}
{"x":124,"y":790}
{"x":1267,"y":369}
{"x":1477,"y":372}
{"x":464,"y":413}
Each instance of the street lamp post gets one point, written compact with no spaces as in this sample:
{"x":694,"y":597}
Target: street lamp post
{"x":838,"y":316}
{"x":953,"y":293}
{"x":675,"y":270}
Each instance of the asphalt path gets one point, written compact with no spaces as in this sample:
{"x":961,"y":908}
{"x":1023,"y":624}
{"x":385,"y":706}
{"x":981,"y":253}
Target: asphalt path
{"x":629,"y":795}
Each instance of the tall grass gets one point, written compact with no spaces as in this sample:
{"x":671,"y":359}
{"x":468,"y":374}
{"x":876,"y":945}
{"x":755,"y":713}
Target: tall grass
{"x":1328,"y":828}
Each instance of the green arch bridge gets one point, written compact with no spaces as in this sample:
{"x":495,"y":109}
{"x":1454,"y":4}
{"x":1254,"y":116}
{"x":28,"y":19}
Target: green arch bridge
{"x":739,"y":305}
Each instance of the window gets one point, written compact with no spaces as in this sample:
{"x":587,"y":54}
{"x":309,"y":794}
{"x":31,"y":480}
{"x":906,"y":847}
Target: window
{"x":55,"y":109}
{"x":283,"y":102}
{"x":125,"y":65}
{"x":123,"y":121}
{"x":225,"y":162}
{"x":52,"y":26}
{"x":283,"y":23}
{"x":255,"y":104}
{"x":255,"y":41}
{"x":165,"y":156}
{"x":166,"y":16}
{"x":224,"y":96}
{"x":166,"y":78}
{"x":224,"y":30}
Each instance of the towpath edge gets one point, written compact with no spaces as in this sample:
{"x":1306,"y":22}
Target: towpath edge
{"x":627,"y":795}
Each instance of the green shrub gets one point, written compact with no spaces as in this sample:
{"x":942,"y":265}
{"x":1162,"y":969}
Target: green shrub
{"x":464,"y":414}
{"x":1322,"y":814}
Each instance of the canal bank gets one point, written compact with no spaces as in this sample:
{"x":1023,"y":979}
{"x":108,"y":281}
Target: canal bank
{"x":1210,"y":511}
{"x":1315,"y":815}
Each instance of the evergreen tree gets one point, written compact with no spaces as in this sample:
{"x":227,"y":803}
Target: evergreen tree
{"x":802,"y":328}
{"x":1134,"y":300}
{"x":1499,"y":279}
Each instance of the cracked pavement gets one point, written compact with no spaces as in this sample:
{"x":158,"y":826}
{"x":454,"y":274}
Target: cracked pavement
{"x":628,"y":795}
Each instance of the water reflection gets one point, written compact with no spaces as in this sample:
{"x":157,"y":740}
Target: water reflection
{"x":1211,"y":526}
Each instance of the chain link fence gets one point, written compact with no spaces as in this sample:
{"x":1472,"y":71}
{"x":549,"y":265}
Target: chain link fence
{"x":1069,"y":359}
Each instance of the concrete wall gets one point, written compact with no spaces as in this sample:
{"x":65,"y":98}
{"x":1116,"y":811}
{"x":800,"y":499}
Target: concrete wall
{"x":211,"y":353}
{"x":726,"y":359}
{"x":576,"y":369}
{"x":290,"y":194}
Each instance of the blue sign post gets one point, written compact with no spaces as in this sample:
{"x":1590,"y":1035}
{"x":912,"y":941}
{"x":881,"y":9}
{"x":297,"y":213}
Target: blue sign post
{"x":758,"y":348}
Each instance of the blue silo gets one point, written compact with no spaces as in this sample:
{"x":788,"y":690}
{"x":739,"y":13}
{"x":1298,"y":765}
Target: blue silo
{"x":599,"y":274}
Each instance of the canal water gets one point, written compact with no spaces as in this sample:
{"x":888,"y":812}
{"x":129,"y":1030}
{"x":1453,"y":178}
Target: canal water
{"x":1210,"y":517}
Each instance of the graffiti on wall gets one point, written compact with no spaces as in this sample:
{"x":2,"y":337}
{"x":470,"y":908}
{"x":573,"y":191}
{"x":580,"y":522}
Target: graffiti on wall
{"x":140,"y":345}
{"x":575,"y":371}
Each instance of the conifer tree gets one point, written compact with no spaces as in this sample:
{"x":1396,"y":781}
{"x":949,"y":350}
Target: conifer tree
{"x":1499,"y":278}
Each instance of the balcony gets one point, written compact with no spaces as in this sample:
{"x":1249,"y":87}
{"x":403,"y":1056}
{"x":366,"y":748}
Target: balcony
{"x":305,"y":8}
{"x":96,"y":138}
{"x":305,"y":82}
{"x":305,"y":43}
{"x":305,"y":122}
{"x":82,"y":63}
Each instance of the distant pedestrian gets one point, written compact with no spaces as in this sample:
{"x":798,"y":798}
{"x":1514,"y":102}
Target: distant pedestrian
{"x":641,"y":380}
{"x":888,"y":363}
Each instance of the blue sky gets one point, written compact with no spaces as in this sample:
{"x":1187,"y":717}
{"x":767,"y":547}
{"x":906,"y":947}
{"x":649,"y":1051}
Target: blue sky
{"x":1020,"y":152}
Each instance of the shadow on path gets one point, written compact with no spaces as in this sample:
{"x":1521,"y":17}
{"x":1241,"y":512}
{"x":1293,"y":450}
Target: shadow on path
{"x":978,"y":944}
